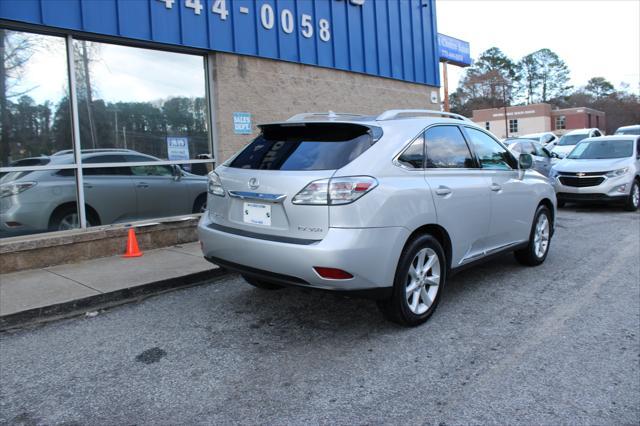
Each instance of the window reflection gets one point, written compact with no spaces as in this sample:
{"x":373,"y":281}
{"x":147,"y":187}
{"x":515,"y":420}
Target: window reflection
{"x":38,"y":201}
{"x":144,"y":100}
{"x":34,"y":102}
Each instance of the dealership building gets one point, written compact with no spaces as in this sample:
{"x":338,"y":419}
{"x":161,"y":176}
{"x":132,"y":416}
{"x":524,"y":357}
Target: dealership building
{"x":537,"y":118}
{"x":101,"y":100}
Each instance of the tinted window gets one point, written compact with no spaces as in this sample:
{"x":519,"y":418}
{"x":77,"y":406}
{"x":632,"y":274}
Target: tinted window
{"x":152,"y":170}
{"x":105,"y":171}
{"x":446,"y":148}
{"x":490,"y":153}
{"x":310,"y":146}
{"x":413,"y":156}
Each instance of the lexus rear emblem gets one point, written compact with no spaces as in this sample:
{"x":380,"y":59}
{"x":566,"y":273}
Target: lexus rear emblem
{"x":253,"y":183}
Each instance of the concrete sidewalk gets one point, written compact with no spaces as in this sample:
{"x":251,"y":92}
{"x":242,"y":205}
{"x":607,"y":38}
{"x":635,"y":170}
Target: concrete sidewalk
{"x":42,"y":294}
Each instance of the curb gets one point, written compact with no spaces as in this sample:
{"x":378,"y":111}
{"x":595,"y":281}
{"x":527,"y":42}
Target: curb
{"x":107,"y":300}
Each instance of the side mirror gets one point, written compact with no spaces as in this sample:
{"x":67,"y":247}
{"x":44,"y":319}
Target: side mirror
{"x":525,"y":161}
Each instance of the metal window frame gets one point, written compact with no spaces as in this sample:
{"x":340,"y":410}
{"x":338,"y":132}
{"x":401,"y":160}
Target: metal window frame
{"x":69,"y":36}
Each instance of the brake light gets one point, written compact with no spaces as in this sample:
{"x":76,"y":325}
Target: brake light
{"x":335,"y":191}
{"x":332,"y":273}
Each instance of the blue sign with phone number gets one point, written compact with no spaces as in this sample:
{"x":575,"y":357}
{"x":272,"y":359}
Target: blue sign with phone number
{"x":454,"y":51}
{"x":395,"y":38}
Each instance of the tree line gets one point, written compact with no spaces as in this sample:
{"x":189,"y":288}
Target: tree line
{"x":495,"y":80}
{"x":29,"y":128}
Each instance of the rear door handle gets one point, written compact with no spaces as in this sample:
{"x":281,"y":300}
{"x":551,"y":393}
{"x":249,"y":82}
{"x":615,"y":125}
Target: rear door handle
{"x":495,"y":187}
{"x":142,"y":185}
{"x":443,"y":190}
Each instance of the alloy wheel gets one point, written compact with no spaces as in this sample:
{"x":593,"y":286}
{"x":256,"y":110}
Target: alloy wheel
{"x":541,"y":237}
{"x":423,"y":281}
{"x":635,"y":196}
{"x":70,"y":221}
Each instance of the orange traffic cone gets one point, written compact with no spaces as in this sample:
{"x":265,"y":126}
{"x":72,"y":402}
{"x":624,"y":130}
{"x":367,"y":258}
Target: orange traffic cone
{"x":132,"y":245}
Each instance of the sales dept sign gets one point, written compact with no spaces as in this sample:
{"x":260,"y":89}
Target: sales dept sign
{"x":177,"y":149}
{"x":242,"y":123}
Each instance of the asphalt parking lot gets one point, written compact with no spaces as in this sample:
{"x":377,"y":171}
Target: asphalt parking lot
{"x":508,"y":344}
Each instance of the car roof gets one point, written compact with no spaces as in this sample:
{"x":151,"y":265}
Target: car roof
{"x":580,"y":131}
{"x":632,"y":126}
{"x":612,"y":138}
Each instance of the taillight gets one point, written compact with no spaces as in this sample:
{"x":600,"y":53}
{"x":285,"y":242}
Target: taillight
{"x":215,"y":185}
{"x":335,"y":191}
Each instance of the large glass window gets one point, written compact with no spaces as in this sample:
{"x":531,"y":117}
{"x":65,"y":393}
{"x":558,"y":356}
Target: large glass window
{"x":34,"y":97}
{"x":134,"y":106}
{"x":489,"y":152}
{"x":33,"y":201}
{"x":446,"y":148}
{"x":142,"y":100}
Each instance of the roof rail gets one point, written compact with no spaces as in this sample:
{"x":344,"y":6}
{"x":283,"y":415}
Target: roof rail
{"x":409,"y":113}
{"x":329,"y":114}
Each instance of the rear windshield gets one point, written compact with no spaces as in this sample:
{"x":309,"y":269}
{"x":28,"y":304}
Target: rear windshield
{"x":308,"y":146}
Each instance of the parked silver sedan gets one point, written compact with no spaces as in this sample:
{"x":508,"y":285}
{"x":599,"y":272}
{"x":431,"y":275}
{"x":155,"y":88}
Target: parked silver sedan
{"x":543,"y":159}
{"x":603,"y":169}
{"x":386,"y":206}
{"x":37,"y":201}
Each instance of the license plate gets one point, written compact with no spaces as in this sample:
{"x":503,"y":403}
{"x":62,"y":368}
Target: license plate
{"x":257,"y":214}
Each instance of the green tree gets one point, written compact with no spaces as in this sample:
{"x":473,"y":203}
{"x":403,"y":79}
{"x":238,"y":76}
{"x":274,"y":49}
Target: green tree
{"x":543,"y":76}
{"x":599,"y":87}
{"x":489,"y":83}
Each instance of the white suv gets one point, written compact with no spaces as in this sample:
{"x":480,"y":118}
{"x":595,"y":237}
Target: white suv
{"x":569,"y":140}
{"x":388,"y":206}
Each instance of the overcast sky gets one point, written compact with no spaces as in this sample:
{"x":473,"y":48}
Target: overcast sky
{"x":594,"y":37}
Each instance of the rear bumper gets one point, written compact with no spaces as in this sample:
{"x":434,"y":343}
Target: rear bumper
{"x":370,"y":255}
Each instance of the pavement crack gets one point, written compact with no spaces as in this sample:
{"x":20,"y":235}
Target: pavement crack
{"x":71,"y":279}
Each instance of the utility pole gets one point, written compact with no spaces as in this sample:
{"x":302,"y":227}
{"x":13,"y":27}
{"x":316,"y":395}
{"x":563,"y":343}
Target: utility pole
{"x":445,"y":79}
{"x":89,"y":100}
{"x":116,"y":128}
{"x":504,"y":103}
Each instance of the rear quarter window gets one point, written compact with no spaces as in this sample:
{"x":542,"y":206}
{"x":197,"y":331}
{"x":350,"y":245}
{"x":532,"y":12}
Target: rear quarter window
{"x":308,"y":146}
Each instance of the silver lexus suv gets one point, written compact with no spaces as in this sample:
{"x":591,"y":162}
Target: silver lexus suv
{"x":385,"y":206}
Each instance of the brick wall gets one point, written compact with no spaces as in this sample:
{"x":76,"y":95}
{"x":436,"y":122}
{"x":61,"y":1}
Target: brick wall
{"x":275,"y":90}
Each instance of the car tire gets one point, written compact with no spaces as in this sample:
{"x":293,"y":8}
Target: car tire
{"x":633,"y":199}
{"x":67,"y":217}
{"x":200,"y":204}
{"x":539,"y":239}
{"x":261,"y":284}
{"x":418,"y":282}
